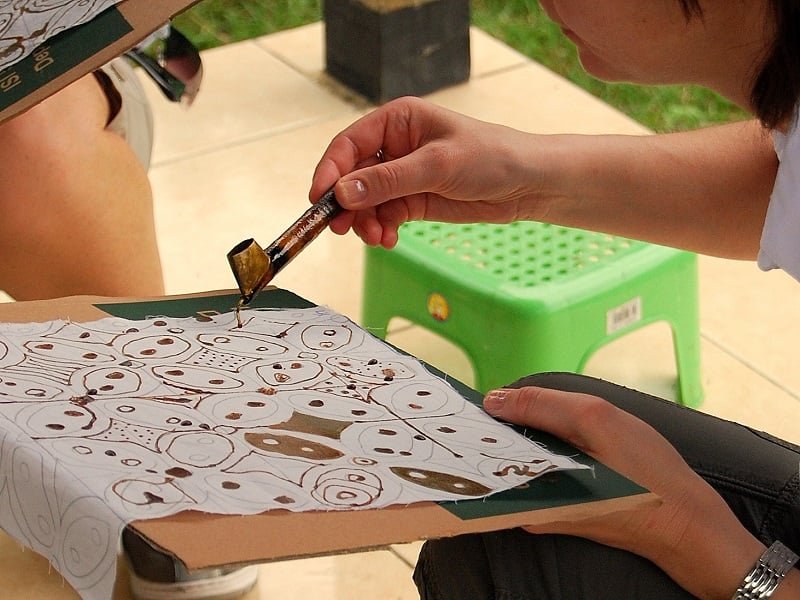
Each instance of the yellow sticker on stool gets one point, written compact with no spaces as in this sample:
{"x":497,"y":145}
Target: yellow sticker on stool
{"x":438,"y":307}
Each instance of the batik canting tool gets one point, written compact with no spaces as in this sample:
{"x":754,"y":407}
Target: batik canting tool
{"x":254,"y":267}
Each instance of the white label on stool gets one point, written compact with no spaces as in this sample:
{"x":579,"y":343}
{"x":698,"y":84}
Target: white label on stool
{"x":624,"y":315}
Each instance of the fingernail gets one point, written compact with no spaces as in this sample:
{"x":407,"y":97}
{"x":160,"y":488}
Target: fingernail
{"x":352,"y":192}
{"x":494,"y":401}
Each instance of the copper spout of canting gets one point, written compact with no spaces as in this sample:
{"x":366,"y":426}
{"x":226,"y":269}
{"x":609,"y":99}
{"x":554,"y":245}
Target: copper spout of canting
{"x":254,"y":267}
{"x":251,"y":268}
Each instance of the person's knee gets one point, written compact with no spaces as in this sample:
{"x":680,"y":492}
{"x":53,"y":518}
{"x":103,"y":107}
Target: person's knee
{"x":27,"y":137}
{"x":58,"y":126}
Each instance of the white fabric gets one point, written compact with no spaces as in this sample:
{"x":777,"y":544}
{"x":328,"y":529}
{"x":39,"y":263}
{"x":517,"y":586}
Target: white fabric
{"x":108,"y":422}
{"x":27,"y":24}
{"x":780,"y":238}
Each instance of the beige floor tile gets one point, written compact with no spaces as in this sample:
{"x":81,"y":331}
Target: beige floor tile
{"x":643,"y":360}
{"x":754,"y":316}
{"x":741,"y":394}
{"x":532,"y":98}
{"x":432,"y":349}
{"x":303,"y":48}
{"x":408,"y":552}
{"x":489,"y":55}
{"x":379,"y":575}
{"x":207,"y":204}
{"x":733,"y":390}
{"x":246,"y":93}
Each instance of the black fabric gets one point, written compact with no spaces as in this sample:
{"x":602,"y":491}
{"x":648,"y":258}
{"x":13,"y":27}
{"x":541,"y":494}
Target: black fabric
{"x":145,"y":560}
{"x":516,"y":565}
{"x":111,"y":93}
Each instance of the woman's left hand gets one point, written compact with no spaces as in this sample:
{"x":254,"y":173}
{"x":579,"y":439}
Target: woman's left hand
{"x":691,"y":534}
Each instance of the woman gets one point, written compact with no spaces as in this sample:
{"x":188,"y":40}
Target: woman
{"x":76,"y":207}
{"x":728,"y":493}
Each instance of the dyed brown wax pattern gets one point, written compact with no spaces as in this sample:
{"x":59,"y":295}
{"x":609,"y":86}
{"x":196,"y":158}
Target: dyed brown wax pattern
{"x":525,"y":470}
{"x":178,"y":472}
{"x":289,"y":445}
{"x":303,"y":423}
{"x":443,"y":482}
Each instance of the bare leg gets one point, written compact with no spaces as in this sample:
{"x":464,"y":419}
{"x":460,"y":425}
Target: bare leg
{"x":76,"y":208}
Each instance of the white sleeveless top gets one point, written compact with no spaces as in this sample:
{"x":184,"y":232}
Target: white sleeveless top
{"x":780,"y":238}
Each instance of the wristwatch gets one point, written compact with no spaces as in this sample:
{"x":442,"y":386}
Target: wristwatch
{"x":767,"y":573}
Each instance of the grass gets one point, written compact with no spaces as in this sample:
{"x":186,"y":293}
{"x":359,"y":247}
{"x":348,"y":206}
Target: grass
{"x":215,"y":22}
{"x":519,"y":23}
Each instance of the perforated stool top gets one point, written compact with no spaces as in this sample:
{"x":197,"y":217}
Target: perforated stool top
{"x":522,"y":254}
{"x":530,"y":297}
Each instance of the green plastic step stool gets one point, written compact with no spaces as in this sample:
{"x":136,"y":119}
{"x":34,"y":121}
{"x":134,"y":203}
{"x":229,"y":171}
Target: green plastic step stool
{"x":531,"y":297}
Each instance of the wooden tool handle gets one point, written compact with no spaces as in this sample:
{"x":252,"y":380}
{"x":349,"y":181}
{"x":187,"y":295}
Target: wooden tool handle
{"x":301,"y":232}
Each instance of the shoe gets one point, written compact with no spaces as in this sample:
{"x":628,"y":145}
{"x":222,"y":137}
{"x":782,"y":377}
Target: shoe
{"x":155,"y":575}
{"x":230,"y":585}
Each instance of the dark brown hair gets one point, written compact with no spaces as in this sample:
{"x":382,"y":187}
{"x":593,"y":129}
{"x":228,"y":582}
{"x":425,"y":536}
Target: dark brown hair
{"x":775,"y":88}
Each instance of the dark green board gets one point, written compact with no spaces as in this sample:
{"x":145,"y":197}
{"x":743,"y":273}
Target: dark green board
{"x":59,"y":54}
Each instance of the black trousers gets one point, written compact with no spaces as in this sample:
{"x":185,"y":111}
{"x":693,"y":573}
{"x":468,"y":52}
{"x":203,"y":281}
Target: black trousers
{"x":754,"y":472}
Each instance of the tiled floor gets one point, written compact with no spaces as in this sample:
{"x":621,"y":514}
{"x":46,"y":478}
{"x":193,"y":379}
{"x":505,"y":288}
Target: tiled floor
{"x":238,"y":165}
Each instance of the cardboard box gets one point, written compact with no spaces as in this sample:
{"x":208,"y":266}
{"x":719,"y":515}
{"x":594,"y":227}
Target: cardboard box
{"x":279,"y":535}
{"x":80,"y":50}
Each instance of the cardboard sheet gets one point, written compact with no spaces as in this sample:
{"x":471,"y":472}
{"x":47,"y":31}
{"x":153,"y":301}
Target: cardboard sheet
{"x":280,"y":533}
{"x":77,"y":50}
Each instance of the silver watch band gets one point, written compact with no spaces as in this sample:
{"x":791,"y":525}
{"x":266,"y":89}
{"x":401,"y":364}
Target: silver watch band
{"x":767,"y":573}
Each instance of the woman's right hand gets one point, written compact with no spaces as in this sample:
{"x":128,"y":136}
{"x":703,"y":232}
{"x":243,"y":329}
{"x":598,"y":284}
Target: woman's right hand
{"x":411,"y":160}
{"x":705,"y":190}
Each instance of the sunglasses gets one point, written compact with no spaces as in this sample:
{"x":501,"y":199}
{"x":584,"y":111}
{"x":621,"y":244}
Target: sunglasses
{"x":173,"y":63}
